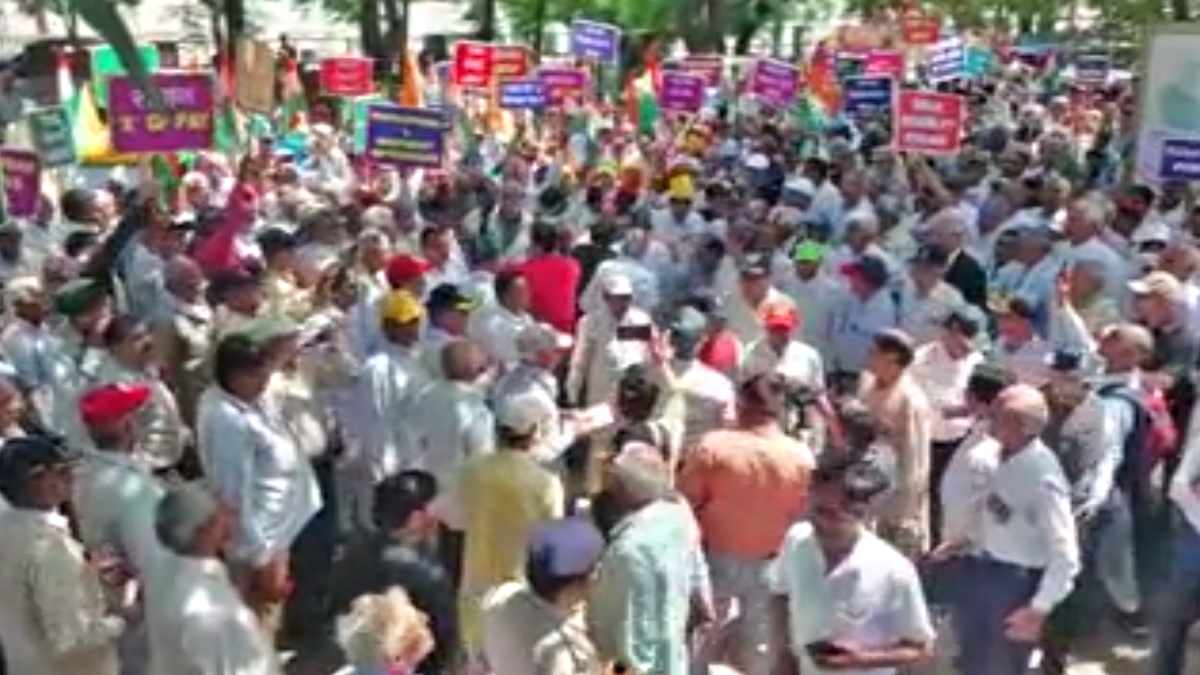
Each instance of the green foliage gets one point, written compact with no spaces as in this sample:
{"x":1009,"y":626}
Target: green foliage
{"x":103,"y":17}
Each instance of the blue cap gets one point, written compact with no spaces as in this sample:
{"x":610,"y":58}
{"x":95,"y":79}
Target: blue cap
{"x":1065,"y":361}
{"x":566,"y":548}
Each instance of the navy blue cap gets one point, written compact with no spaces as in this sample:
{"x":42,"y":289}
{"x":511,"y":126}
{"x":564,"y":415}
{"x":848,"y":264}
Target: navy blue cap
{"x":566,"y":548}
{"x":1065,"y":361}
{"x":24,"y":457}
{"x":930,"y":256}
{"x":755,"y":265}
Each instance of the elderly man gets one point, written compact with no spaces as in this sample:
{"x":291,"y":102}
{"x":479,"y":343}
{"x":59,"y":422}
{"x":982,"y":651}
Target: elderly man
{"x":1024,"y":547}
{"x":653,"y":582}
{"x":252,"y":461}
{"x":541,"y":349}
{"x":198,"y":622}
{"x":607,"y":341}
{"x":184,"y":333}
{"x":53,"y":618}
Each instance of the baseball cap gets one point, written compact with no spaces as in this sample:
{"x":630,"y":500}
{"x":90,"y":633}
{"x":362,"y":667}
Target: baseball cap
{"x":263,"y":330}
{"x":112,"y":403}
{"x":523,"y":413}
{"x":449,"y":297}
{"x":539,"y":337}
{"x":809,"y":251}
{"x":568,"y":547}
{"x":24,"y":457}
{"x":617,"y":284}
{"x":869,"y":268}
{"x":401,"y":307}
{"x":403,"y":269}
{"x":779,"y":317}
{"x":1065,"y":361}
{"x":1013,"y":306}
{"x":755,"y":265}
{"x":77,"y":296}
{"x":1157,"y":283}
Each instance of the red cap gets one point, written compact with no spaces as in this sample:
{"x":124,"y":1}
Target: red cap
{"x":402,"y":269}
{"x":112,"y":403}
{"x":779,"y":317}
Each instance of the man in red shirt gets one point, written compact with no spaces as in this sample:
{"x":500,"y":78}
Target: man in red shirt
{"x":553,"y":278}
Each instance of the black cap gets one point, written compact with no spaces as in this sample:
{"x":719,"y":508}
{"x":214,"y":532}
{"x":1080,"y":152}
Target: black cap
{"x":967,"y":319}
{"x":24,"y":457}
{"x":276,"y":240}
{"x":1065,"y":361}
{"x":872,"y":269}
{"x":755,"y":265}
{"x":930,"y":256}
{"x":228,"y":281}
{"x":446,"y":297}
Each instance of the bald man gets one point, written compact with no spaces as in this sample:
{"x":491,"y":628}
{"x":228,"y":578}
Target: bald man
{"x":183,"y":334}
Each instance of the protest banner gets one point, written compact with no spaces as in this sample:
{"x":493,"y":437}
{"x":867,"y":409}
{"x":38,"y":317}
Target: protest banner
{"x":185,"y":122}
{"x":947,"y":60}
{"x":978,"y":61}
{"x":595,"y":41}
{"x":928,"y":123}
{"x":254,"y":77}
{"x":711,"y":67}
{"x":510,"y":62}
{"x":347,"y":76}
{"x":107,"y":65}
{"x":1180,"y":160}
{"x":562,"y":84}
{"x":884,"y":62}
{"x":1168,"y":103}
{"x":1091,"y":68}
{"x":867,"y":96}
{"x":471,"y":67}
{"x":405,"y":137}
{"x":22,"y":175}
{"x":849,"y":64}
{"x":50,"y":130}
{"x":918,"y":28}
{"x":529,"y":94}
{"x":681,"y":92}
{"x":777,"y":82}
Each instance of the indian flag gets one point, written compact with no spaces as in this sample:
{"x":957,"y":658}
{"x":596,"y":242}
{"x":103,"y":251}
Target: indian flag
{"x":641,"y":102}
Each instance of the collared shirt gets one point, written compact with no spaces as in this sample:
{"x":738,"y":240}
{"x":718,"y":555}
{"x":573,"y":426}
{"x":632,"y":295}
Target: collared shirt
{"x":1027,"y":521}
{"x":746,"y":486}
{"x":144,"y":281}
{"x":452,"y":422}
{"x":525,"y":635}
{"x":497,"y":501}
{"x":1089,"y":445}
{"x":799,"y":363}
{"x":496,"y":329}
{"x":639,"y":606}
{"x":115,"y":500}
{"x":199,"y":624}
{"x":965,"y":483}
{"x":162,"y":434}
{"x":818,"y":299}
{"x":923,"y":315}
{"x":905,"y":423}
{"x":52,"y":612}
{"x":944,"y":381}
{"x":389,"y":387}
{"x":293,"y":397}
{"x":872,"y":599}
{"x":252,"y":461}
{"x":600,"y":357}
{"x":857,"y":324}
{"x":530,"y":380}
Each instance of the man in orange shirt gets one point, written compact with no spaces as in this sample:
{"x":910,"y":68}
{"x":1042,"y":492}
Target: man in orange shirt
{"x":747,"y":485}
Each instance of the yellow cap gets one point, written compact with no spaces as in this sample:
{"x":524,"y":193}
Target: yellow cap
{"x":681,"y":187}
{"x":401,"y":307}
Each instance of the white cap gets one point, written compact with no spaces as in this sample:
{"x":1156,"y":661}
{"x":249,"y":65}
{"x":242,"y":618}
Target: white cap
{"x":523,"y":413}
{"x":801,"y":185}
{"x":617,"y":284}
{"x":1152,"y":232}
{"x":757,"y":162}
{"x":23,"y":289}
{"x":540,"y":337}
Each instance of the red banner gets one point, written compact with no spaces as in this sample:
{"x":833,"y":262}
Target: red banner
{"x":510,"y":62}
{"x":885,"y":62}
{"x":928,"y":123}
{"x":472,"y":64}
{"x":917,"y":28}
{"x":347,"y":76}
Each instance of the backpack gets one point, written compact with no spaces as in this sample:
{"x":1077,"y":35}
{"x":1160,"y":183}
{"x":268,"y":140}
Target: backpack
{"x":1154,"y":436}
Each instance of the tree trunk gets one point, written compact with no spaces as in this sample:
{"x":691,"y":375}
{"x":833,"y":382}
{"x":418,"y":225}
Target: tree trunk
{"x":1180,"y":10}
{"x":42,"y":20}
{"x":395,"y":36}
{"x":368,"y":30}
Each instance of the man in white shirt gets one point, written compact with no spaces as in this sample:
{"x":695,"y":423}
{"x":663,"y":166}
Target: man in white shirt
{"x":199,"y":624}
{"x":846,"y":601}
{"x":496,"y":326}
{"x":252,"y":461}
{"x":390,"y":383}
{"x":541,"y":349}
{"x":607,"y":341}
{"x":777,"y":351}
{"x":1026,"y":550}
{"x":451,"y":418}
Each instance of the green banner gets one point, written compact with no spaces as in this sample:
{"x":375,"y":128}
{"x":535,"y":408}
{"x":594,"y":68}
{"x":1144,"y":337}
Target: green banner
{"x":106,"y":64}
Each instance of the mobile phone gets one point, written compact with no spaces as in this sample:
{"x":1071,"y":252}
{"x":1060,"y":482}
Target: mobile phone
{"x":641,"y":333}
{"x":823,"y":648}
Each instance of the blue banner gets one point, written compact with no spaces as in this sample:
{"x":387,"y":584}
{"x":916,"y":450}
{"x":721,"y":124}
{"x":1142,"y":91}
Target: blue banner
{"x":405,"y":137}
{"x":1180,"y":160}
{"x":1092,"y":68}
{"x":867,"y":96}
{"x":947,"y":61}
{"x":595,"y":41}
{"x":523,"y":95}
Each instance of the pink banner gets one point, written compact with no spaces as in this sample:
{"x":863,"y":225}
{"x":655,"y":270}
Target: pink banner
{"x":22,"y":181}
{"x":184,"y":122}
{"x":885,"y":62}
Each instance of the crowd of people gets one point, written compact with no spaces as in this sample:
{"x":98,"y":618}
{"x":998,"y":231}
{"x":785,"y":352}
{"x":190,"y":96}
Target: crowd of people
{"x":747,"y":397}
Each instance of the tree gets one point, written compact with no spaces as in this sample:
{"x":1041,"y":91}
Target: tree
{"x":41,"y":10}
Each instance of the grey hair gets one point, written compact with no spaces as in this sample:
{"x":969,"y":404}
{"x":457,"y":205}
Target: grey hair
{"x":181,"y":513}
{"x":1134,"y":334}
{"x":640,"y":469}
{"x":1028,"y":405}
{"x":1094,"y":210}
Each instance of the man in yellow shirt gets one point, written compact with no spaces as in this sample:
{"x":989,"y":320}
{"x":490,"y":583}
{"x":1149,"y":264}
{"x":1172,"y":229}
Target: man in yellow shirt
{"x":497,"y":500}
